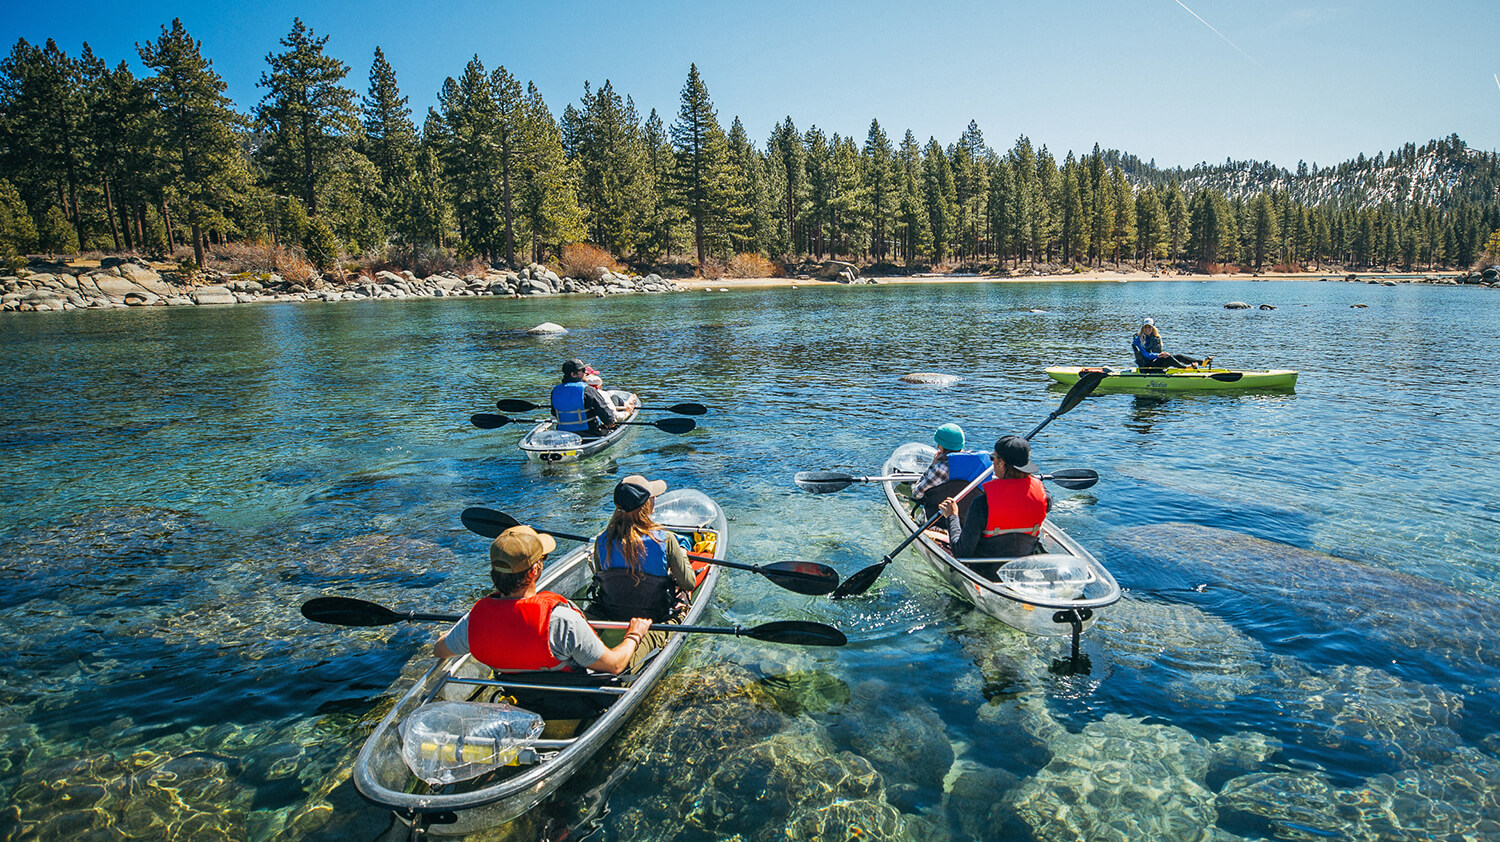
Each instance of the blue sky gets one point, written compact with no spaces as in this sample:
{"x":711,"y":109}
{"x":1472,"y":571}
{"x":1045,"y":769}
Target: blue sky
{"x":1180,"y":82}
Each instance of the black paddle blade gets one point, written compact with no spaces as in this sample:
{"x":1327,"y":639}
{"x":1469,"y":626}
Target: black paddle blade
{"x":346,"y":611}
{"x":805,"y":577}
{"x":799,"y":632}
{"x":486,"y":421}
{"x":861,"y":581}
{"x":1074,"y":478}
{"x":823,"y":482}
{"x":674,"y":425}
{"x":1226,"y":376}
{"x":486,"y":522}
{"x":516,"y":406}
{"x":684,"y":408}
{"x":1086,"y":384}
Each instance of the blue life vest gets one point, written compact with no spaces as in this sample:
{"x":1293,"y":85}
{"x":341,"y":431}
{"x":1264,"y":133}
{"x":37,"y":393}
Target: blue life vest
{"x":620,"y":595}
{"x":966,"y":465}
{"x":567,"y":402}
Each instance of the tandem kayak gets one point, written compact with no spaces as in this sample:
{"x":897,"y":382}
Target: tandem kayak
{"x":581,"y":710}
{"x":1180,"y":379}
{"x":547,"y":444}
{"x":1059,"y":592}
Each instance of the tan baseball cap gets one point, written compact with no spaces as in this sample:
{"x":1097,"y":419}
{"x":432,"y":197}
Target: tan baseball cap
{"x":518,"y":548}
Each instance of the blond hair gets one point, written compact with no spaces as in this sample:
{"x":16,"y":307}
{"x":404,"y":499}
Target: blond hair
{"x":630,"y":529}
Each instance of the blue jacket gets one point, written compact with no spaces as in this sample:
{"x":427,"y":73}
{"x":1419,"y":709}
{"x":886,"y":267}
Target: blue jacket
{"x":1147,"y":348}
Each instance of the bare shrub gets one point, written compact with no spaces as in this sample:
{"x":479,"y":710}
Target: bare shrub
{"x":585,"y":260}
{"x":750,"y":265}
{"x":714,"y":267}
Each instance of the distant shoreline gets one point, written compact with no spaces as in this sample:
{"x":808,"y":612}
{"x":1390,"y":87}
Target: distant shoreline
{"x":1088,"y":277}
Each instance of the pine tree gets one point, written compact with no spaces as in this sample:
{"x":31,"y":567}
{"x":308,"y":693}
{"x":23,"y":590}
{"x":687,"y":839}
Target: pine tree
{"x":17,"y":230}
{"x":42,"y":113}
{"x":549,"y":182}
{"x":971,"y":188}
{"x":307,"y":114}
{"x":603,"y":138}
{"x":660,"y":223}
{"x":694,"y":136}
{"x":914,"y":228}
{"x":1266,"y":230}
{"x":940,"y":198}
{"x":882,"y":188}
{"x":200,"y":145}
{"x":788,"y":157}
{"x":390,"y":144}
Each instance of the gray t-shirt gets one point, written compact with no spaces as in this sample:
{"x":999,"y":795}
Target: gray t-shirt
{"x":569,"y":637}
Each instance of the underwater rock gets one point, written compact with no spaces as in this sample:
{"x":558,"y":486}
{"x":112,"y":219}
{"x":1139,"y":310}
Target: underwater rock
{"x":1316,"y":607}
{"x":1120,"y":779}
{"x":1213,"y":663}
{"x":902,"y":736}
{"x":929,"y":378}
{"x":1459,"y":800}
{"x":547,"y":329}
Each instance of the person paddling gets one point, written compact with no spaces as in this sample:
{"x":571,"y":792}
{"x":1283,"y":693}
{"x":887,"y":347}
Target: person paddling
{"x":1005,"y":519}
{"x":579,"y":407}
{"x":518,"y":628}
{"x":1148,"y":352}
{"x":951,"y":469}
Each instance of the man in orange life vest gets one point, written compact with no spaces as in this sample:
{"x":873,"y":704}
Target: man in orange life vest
{"x":517,"y":628}
{"x":1005,"y":519}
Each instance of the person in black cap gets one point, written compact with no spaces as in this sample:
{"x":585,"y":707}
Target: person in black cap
{"x":1005,"y":519}
{"x":579,"y":407}
{"x":641,"y":570}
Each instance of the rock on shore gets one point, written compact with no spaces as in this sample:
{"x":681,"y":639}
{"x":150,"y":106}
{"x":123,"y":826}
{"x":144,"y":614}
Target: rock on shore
{"x":131,"y":282}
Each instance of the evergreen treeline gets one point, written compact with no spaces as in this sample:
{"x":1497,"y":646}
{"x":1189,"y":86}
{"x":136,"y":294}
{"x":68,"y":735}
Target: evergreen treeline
{"x":96,"y":158}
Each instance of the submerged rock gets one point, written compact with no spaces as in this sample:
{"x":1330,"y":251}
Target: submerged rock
{"x":547,"y":329}
{"x":929,"y":378}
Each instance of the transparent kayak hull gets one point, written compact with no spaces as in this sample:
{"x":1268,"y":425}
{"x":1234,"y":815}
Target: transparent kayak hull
{"x":1037,"y":594}
{"x":1180,"y":379}
{"x":383,"y":778}
{"x":546,"y":444}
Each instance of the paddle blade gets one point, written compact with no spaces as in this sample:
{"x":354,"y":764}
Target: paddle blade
{"x":517,"y":406}
{"x":345,"y":611}
{"x":804,"y":577}
{"x":486,"y":522}
{"x":686,"y":408}
{"x":675,"y":425}
{"x":485,"y":421}
{"x":1074,"y":478}
{"x":1086,"y":384}
{"x":861,"y":581}
{"x":798,"y":632}
{"x":1226,"y":376}
{"x":822,"y":482}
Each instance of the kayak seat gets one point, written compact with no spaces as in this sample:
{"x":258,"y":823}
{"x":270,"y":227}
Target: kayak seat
{"x":562,"y":705}
{"x":943,"y":491}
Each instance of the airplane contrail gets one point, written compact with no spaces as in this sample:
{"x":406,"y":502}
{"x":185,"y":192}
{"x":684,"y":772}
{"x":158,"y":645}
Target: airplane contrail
{"x":1497,"y":79}
{"x":1231,"y":43}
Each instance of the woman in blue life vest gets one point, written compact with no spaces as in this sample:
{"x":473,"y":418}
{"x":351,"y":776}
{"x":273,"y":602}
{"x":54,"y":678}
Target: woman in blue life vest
{"x":519,"y":629}
{"x":579,"y":407}
{"x":1005,"y":519}
{"x":642,"y":570}
{"x":1148,"y":353}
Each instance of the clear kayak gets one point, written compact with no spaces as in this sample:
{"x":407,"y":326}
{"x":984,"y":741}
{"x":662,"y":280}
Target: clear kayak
{"x":547,"y":444}
{"x":1179,"y":379}
{"x":581,"y":710}
{"x":1059,"y":592}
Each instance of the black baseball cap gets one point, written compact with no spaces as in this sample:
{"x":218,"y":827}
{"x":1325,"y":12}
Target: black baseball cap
{"x":1016,"y":452}
{"x":573,"y":366}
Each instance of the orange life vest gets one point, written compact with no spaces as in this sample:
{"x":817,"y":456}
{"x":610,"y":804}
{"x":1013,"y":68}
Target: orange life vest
{"x":511,"y":634}
{"x":1015,"y":505}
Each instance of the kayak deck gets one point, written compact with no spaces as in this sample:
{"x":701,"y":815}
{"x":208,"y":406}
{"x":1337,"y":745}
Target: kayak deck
{"x":548,"y":445}
{"x":1180,"y":379}
{"x":382,"y":777}
{"x":1036,"y":600}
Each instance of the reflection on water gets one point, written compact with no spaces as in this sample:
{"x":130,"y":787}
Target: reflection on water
{"x":178,"y":483}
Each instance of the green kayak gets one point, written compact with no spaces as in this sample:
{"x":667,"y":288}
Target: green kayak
{"x":1179,"y":379}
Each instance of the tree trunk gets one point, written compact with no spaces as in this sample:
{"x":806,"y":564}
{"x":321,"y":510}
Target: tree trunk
{"x":166,"y":220}
{"x":198,"y":247}
{"x":109,"y":203}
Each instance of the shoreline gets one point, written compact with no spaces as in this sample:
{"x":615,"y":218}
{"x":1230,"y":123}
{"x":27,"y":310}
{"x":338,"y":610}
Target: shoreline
{"x":1102,"y":276}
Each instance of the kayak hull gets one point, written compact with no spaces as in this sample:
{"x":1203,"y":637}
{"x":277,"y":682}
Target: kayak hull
{"x":541,"y":443}
{"x":1044,"y":610}
{"x":382,"y":777}
{"x":1180,"y":379}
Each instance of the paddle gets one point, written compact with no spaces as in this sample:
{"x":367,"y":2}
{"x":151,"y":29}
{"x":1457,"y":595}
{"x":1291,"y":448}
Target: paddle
{"x":486,"y":421}
{"x":346,"y":611}
{"x":861,"y":581}
{"x":804,"y":577}
{"x":825,"y":482}
{"x":527,"y":406}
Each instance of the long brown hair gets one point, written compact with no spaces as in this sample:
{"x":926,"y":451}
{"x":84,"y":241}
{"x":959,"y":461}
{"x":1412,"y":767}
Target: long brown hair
{"x":630,"y":529}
